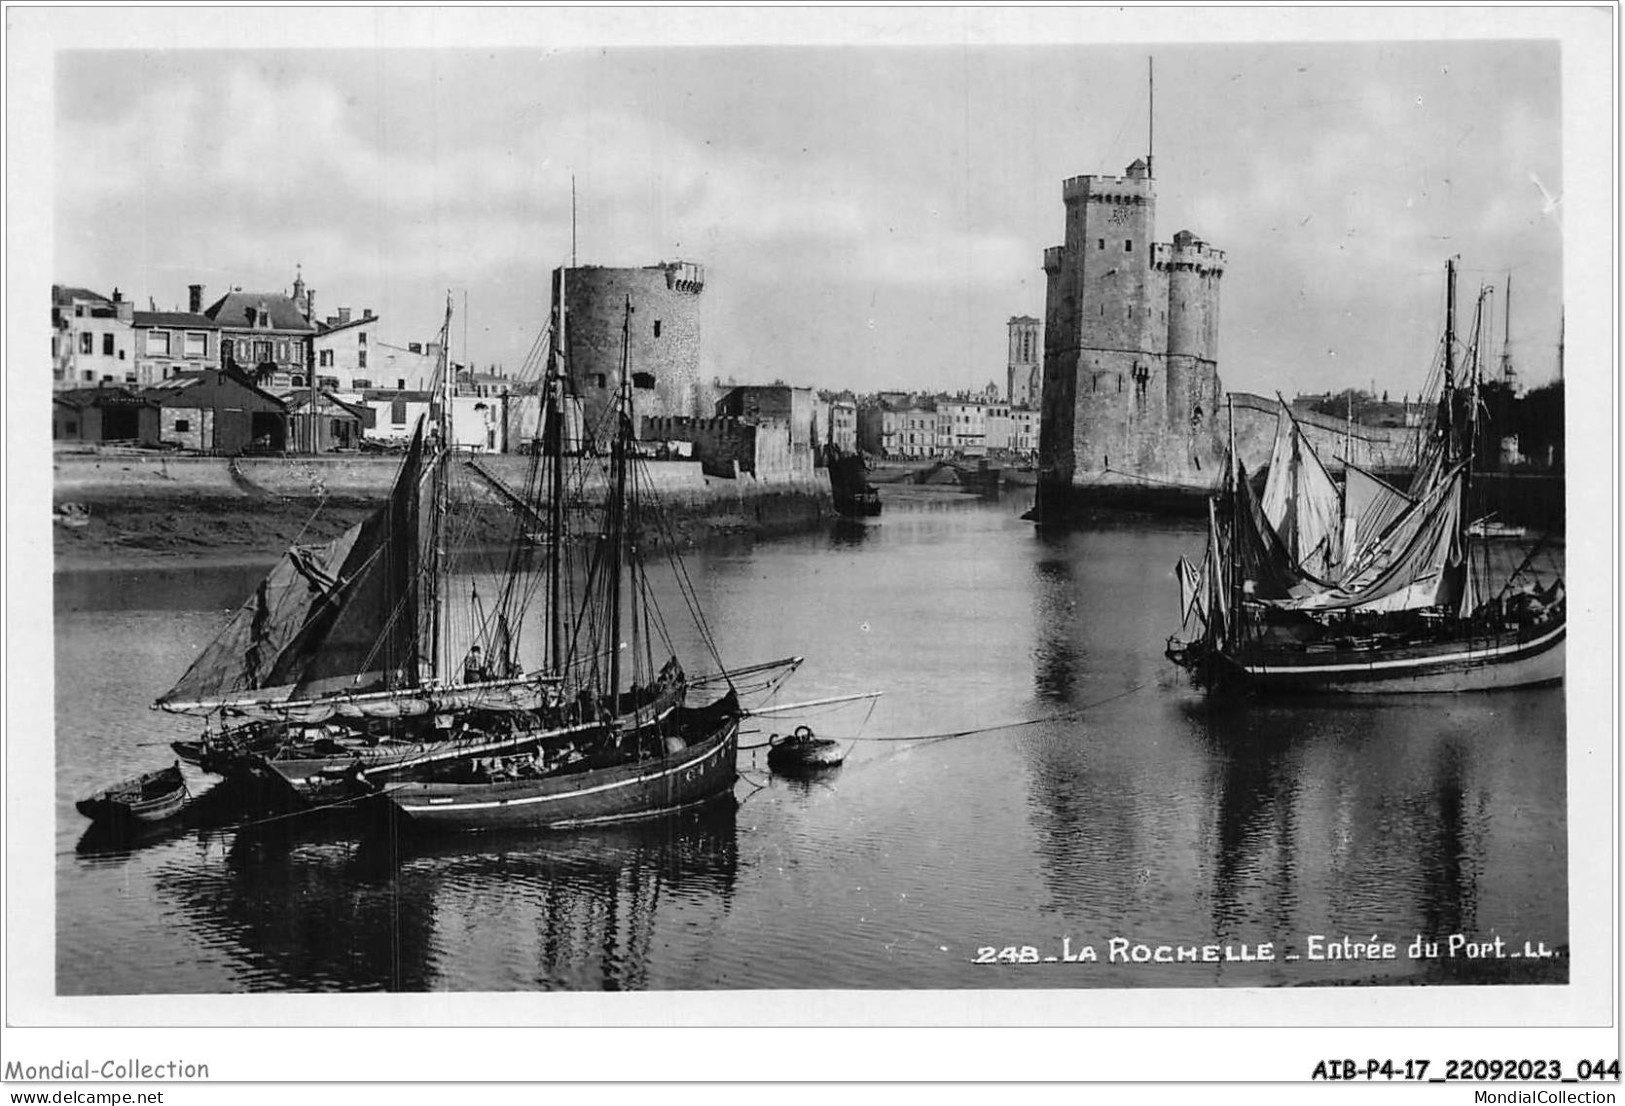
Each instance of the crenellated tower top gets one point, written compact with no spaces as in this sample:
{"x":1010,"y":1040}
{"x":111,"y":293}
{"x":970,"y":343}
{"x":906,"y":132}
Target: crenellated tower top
{"x":1188,"y":253}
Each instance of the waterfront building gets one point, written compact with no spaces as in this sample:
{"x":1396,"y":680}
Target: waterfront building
{"x":843,"y":422}
{"x":479,"y":423}
{"x":1026,"y":430}
{"x":962,"y":427}
{"x":170,"y":342}
{"x":91,"y":338}
{"x":265,"y":336}
{"x":795,"y":407}
{"x":215,"y":411}
{"x":327,"y":424}
{"x":396,"y":412}
{"x":1025,"y":374}
{"x":660,"y":341}
{"x":104,"y":415}
{"x":917,"y":429}
{"x":1130,"y":380}
{"x":877,"y":426}
{"x":346,"y":348}
{"x":1012,"y":431}
{"x":408,"y":368}
{"x":729,"y":447}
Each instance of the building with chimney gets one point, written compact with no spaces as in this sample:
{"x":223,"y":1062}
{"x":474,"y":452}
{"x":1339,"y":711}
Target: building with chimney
{"x":347,"y":353}
{"x":170,"y":342}
{"x":92,"y":342}
{"x":264,"y":336}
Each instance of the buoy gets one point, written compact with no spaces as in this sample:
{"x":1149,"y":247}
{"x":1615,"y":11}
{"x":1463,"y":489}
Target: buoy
{"x":802,"y":750}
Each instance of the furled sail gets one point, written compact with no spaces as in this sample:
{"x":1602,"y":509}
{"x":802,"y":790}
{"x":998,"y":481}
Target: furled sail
{"x":334,"y":617}
{"x":1302,"y":502}
{"x":520,"y":693}
{"x":1267,"y":568}
{"x":1370,"y":507}
{"x":1419,"y":563}
{"x":1192,"y":590}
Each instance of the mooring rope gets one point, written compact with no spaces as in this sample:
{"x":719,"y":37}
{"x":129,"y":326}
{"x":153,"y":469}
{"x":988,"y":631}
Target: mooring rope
{"x":1059,"y":716}
{"x":309,"y":809}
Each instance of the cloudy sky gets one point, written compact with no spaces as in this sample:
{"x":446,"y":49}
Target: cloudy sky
{"x":869,"y":213}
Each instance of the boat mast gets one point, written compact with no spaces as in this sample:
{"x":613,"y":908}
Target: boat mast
{"x":1450,"y":360}
{"x":553,"y":433}
{"x":1507,"y":372}
{"x":1232,"y":628}
{"x":1464,"y":515}
{"x":441,"y":501}
{"x":617,"y":509}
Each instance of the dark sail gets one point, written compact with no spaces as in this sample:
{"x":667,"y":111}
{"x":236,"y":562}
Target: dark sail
{"x":365,"y":636}
{"x":338,"y":615}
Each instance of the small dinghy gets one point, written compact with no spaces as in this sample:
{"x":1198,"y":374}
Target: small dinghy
{"x":149,"y":798}
{"x":803,"y":750}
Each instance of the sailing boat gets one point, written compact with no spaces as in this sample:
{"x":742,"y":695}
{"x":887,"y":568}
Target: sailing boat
{"x":1313,"y":587}
{"x":340,"y":662}
{"x":366,"y":661}
{"x":636,"y":752}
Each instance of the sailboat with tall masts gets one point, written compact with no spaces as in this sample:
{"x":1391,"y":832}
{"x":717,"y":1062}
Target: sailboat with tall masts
{"x":342,"y":660}
{"x":376,"y":660}
{"x":639,"y":748}
{"x":1366,"y":587}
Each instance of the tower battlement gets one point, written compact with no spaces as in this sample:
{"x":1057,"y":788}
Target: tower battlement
{"x":1133,"y":187}
{"x":1187,"y":253}
{"x":684,"y":276}
{"x":1108,"y":190}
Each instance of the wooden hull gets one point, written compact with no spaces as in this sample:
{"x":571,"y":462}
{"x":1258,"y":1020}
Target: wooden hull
{"x":696,"y":774}
{"x":862,"y":505}
{"x":154,"y":797}
{"x":322,"y":777}
{"x":316,"y":777}
{"x":849,"y":485}
{"x":1449,"y":666}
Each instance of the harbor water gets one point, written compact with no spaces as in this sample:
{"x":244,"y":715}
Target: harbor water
{"x":1129,"y":834}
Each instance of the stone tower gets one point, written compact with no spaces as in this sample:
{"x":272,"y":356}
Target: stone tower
{"x":662,"y":339}
{"x":1026,"y":364}
{"x":1130,"y":345}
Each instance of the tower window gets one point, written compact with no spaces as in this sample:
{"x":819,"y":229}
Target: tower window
{"x":1128,"y":245}
{"x":1101,"y":243}
{"x":657,"y":328}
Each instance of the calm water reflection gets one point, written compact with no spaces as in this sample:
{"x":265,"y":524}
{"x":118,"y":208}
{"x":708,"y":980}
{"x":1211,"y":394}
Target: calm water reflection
{"x":1150,"y":816}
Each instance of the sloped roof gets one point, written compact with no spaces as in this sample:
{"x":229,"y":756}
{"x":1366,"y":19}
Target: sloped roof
{"x":331,"y":325}
{"x":89,"y":397}
{"x":175,"y":319}
{"x":66,"y":293}
{"x":298,"y":401}
{"x":391,"y":394}
{"x":169,"y":387}
{"x":232,"y":310}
